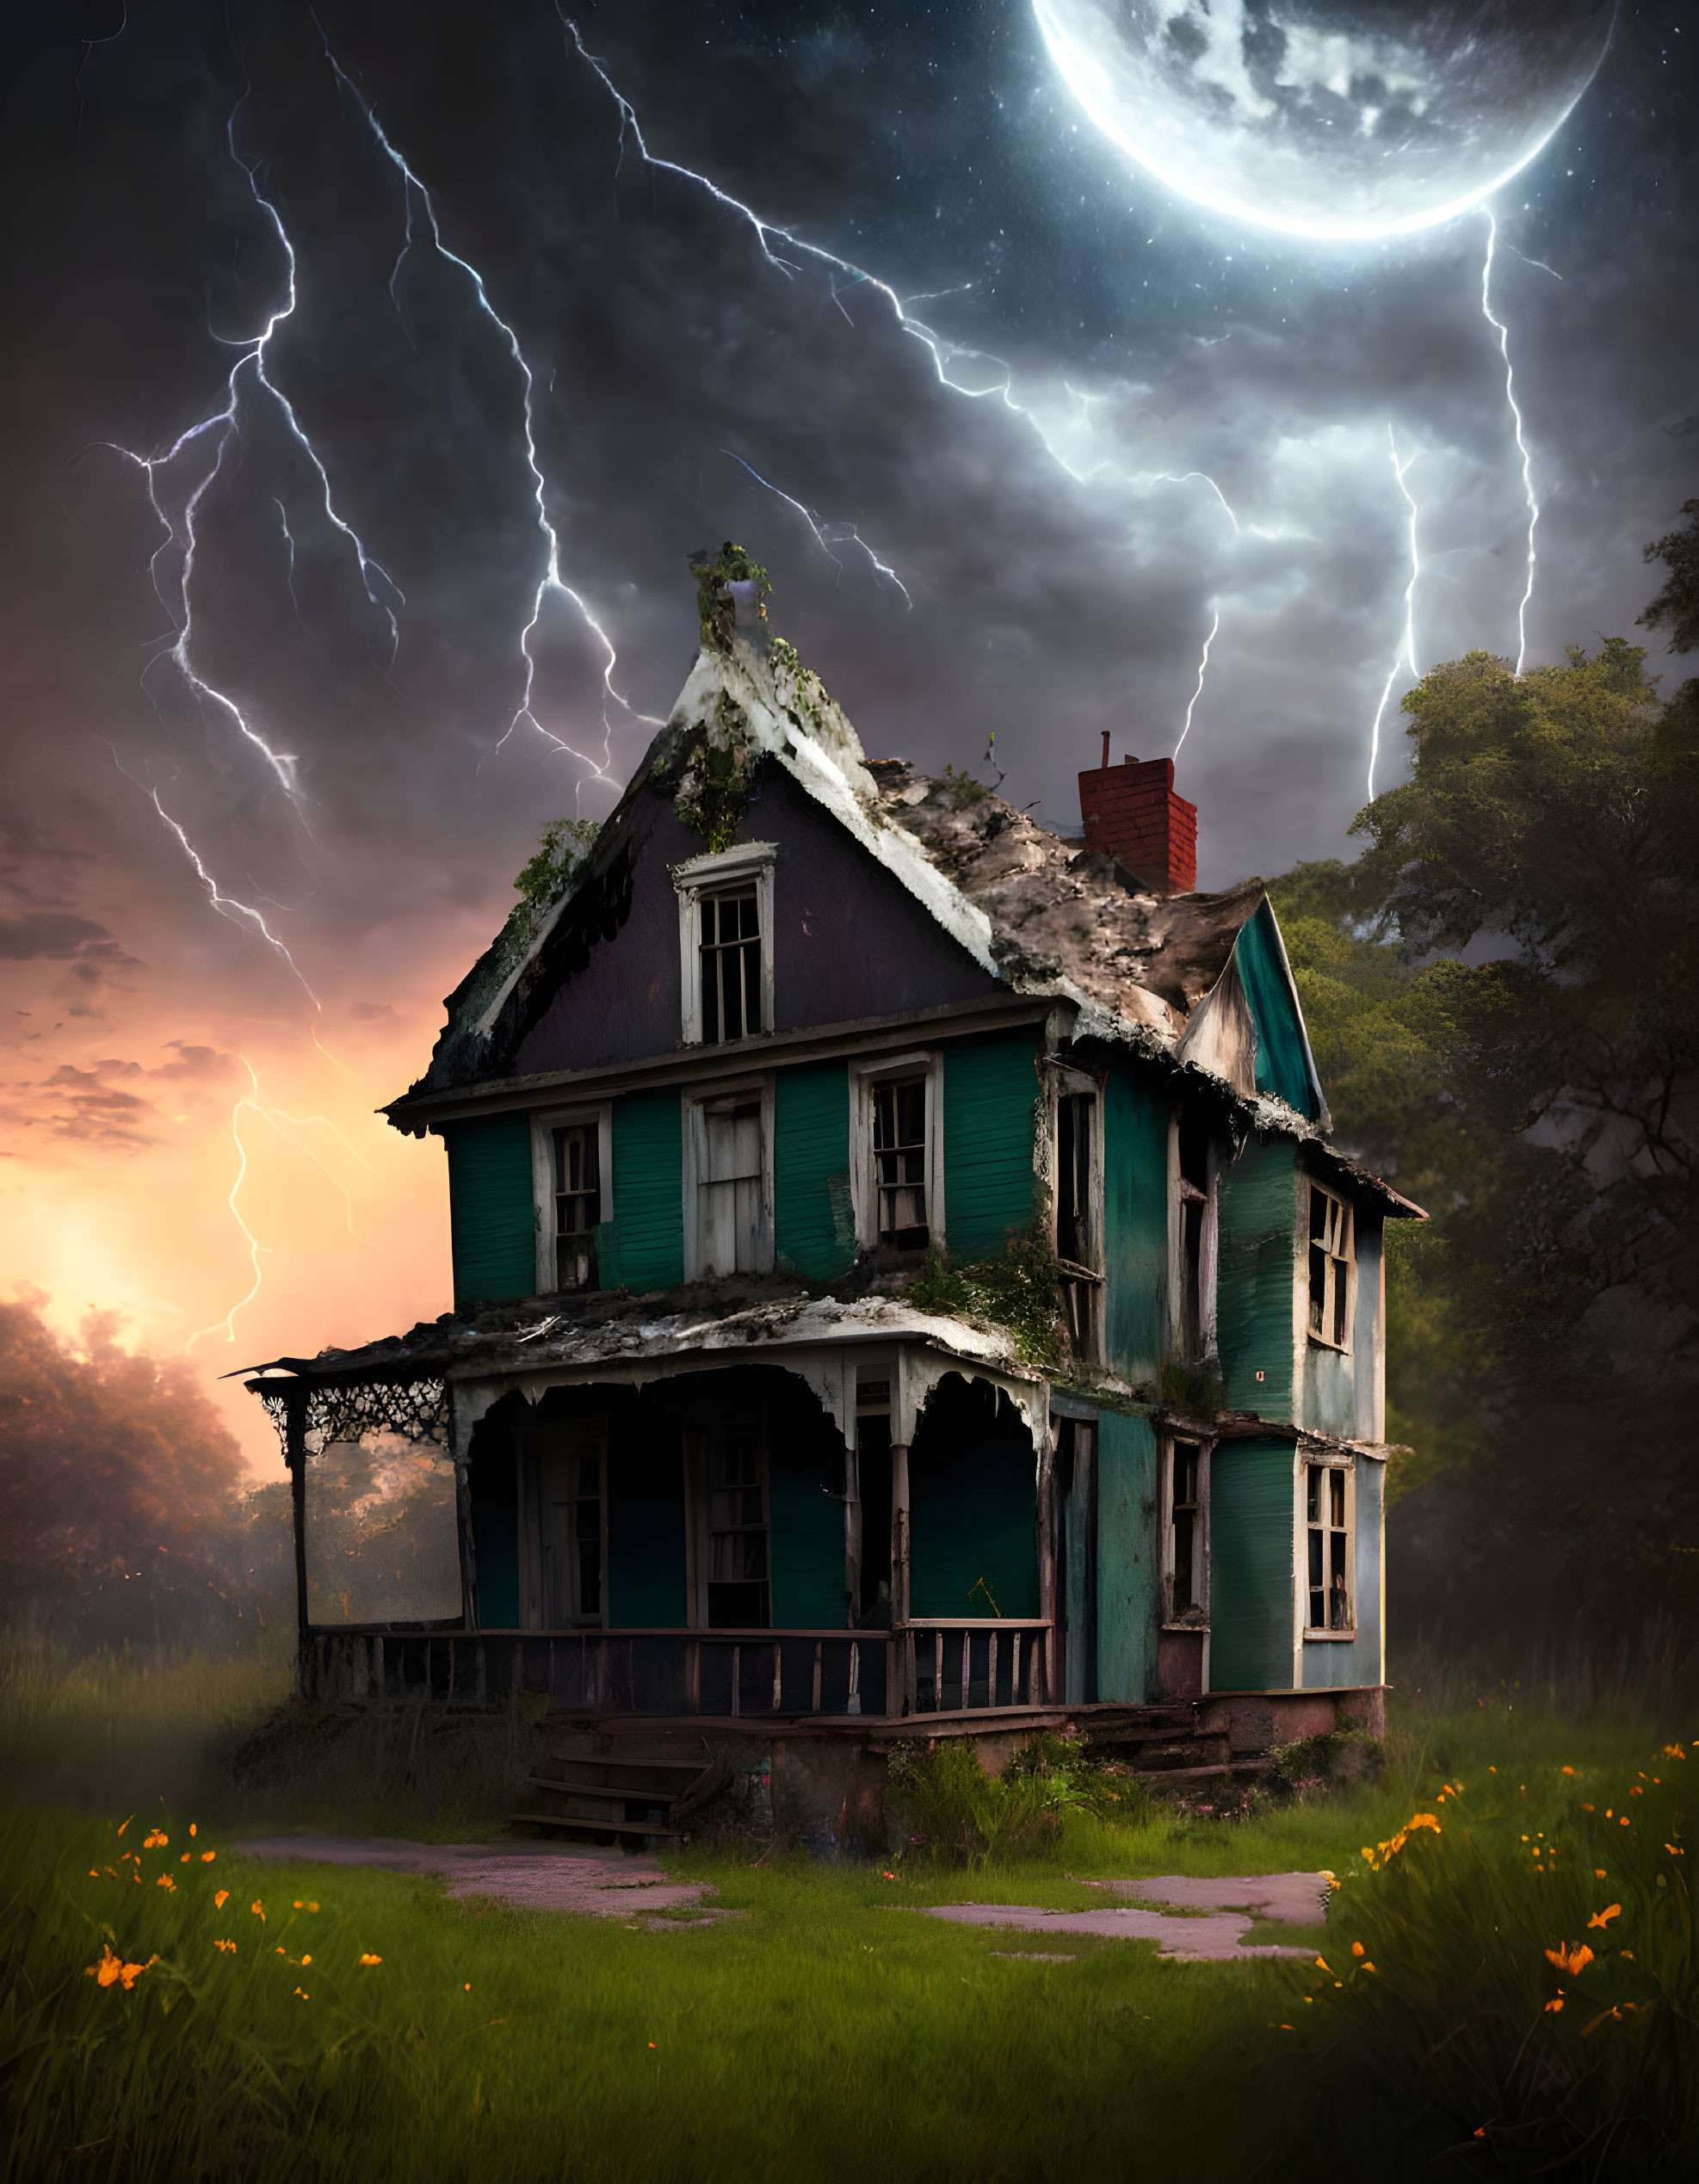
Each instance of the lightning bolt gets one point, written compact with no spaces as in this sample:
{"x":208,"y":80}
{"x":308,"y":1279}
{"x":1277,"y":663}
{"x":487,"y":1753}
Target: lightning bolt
{"x":832,"y":534}
{"x":1503,"y":331}
{"x":1202,"y":665}
{"x":551,"y":585}
{"x":1406,"y":652}
{"x":250,"y":1100}
{"x":238,"y":913}
{"x":1184,"y":477}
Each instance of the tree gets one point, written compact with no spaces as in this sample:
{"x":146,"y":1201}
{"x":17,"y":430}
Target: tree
{"x":1677,"y":607}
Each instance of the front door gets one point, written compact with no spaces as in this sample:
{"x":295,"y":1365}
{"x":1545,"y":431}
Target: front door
{"x":565,"y":1553}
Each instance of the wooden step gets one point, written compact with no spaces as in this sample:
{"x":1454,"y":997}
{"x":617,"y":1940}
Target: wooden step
{"x":601,"y":1792}
{"x":692,"y":1766}
{"x":594,"y":1827}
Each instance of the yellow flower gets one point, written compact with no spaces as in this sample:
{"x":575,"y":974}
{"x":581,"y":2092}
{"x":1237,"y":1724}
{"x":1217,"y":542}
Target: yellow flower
{"x":371,"y":1959}
{"x":304,"y":1994}
{"x":229,"y":1947}
{"x":305,"y":1961}
{"x":257,"y":1908}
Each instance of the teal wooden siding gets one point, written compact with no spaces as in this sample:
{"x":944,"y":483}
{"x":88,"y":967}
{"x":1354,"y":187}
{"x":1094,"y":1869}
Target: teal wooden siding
{"x":1367,"y":1333}
{"x":492,"y":1488}
{"x":1135,"y":1226}
{"x":807,"y":1534}
{"x":1251,"y":1522}
{"x":1329,"y":1665}
{"x":813,"y":1224}
{"x":990,"y":1089}
{"x":647,"y":1582}
{"x":1256,"y":1268}
{"x":972,"y":1508}
{"x":1282,"y":1058}
{"x":492,"y":1220}
{"x":643,"y":1246}
{"x":1128,"y":1579}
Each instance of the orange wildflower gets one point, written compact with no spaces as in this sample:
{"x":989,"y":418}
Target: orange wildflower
{"x":1569,"y":1770}
{"x":1556,"y":2002}
{"x":371,"y":1959}
{"x":156,"y":1840}
{"x":229,"y":1947}
{"x":207,"y":1856}
{"x":257,"y":1908}
{"x":1573,"y":1961}
{"x":1357,"y":1949}
{"x":192,"y":1829}
{"x":165,"y":1881}
{"x":221,"y":1899}
{"x":113,"y":1972}
{"x":1604,"y":1917}
{"x":1599,"y":1872}
{"x":125,"y":1823}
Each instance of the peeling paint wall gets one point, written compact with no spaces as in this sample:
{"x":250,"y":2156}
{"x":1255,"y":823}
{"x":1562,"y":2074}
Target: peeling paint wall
{"x":1256,"y":1270}
{"x":491,"y":1217}
{"x":991,"y":1087}
{"x":814,"y":1222}
{"x":643,"y":1245}
{"x":1135,"y":1224}
{"x":1252,"y":1530}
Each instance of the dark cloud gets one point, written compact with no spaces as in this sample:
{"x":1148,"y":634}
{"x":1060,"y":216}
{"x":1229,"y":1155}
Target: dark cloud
{"x":59,"y":936}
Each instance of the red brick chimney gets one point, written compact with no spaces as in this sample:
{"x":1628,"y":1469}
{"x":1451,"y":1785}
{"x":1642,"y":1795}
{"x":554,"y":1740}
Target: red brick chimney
{"x":1133,"y":815}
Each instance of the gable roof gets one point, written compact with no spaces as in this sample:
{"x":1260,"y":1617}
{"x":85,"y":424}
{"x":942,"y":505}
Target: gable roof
{"x":1201,"y":978}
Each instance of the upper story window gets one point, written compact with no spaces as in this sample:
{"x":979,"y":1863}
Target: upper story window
{"x":728,"y":1183}
{"x":1078,"y":1196}
{"x":572,"y":1171}
{"x":1197,"y":1218}
{"x":1328,"y":1495}
{"x":1330,"y":1264}
{"x":725,"y":943}
{"x":896,"y":1167}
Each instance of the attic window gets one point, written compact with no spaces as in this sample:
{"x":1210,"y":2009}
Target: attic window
{"x":730,"y":963}
{"x":725,"y":943}
{"x":1330,"y":1269}
{"x":577,"y":1204}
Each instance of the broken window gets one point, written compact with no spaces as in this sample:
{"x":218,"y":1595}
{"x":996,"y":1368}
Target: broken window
{"x":731,"y":962}
{"x":578,"y":1204}
{"x":1330,"y":1268}
{"x":900,"y":1159}
{"x":1185,"y":1528}
{"x":734,"y":1471}
{"x":1327,"y":1501}
{"x":1079,"y":1244}
{"x":1196,"y":1271}
{"x":731,"y":1226}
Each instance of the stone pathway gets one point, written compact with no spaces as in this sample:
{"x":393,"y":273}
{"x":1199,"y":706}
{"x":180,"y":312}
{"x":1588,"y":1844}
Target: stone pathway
{"x":533,"y":1877}
{"x":1207,"y":1927}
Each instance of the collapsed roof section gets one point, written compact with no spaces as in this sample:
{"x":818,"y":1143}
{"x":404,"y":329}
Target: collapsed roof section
{"x":1201,"y":978}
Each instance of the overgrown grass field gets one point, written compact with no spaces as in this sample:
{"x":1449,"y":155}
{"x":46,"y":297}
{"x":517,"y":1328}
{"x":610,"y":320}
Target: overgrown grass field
{"x":828,"y":2030}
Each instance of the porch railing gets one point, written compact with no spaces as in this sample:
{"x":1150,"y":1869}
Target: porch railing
{"x":981,"y":1667}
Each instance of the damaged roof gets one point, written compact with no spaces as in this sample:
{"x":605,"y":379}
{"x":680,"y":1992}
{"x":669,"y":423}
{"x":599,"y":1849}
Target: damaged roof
{"x":1043,"y":916}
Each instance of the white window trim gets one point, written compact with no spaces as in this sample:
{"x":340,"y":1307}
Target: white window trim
{"x":695,"y":1163}
{"x":1061,"y":1080}
{"x":863,"y":1194}
{"x":697,"y":876}
{"x":1308,"y":1633}
{"x":1208,"y":1251}
{"x":1197,"y":1616}
{"x":544,"y":1123}
{"x":1306,"y":1183}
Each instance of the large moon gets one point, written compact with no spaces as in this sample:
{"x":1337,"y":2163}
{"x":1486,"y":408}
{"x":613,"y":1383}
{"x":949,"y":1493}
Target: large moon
{"x":1336,"y":121}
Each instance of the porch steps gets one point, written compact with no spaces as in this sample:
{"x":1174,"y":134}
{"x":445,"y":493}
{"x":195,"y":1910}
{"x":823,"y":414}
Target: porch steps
{"x":631,"y":1796}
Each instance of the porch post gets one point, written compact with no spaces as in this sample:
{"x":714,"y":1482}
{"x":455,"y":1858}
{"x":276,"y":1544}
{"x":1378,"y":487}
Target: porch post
{"x":901,"y":1701}
{"x":459,"y":1445}
{"x":294,"y":1450}
{"x":1047,"y":1557}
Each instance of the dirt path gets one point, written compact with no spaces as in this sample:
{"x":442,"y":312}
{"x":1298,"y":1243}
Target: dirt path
{"x":1221,"y":1912}
{"x":534,"y":1877}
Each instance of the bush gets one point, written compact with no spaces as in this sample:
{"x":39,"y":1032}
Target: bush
{"x":952,"y":1812}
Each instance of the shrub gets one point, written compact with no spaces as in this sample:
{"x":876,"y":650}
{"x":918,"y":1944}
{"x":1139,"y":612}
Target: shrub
{"x":955,"y":1814}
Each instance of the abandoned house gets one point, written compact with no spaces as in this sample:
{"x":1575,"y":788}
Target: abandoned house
{"x":902,"y":1285}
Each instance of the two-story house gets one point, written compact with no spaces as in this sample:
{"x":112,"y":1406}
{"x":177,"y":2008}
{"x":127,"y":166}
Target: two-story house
{"x":900,"y":1274}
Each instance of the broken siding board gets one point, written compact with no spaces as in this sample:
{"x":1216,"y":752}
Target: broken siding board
{"x":813,"y":1224}
{"x":643,"y":1246}
{"x":491,"y":1211}
{"x":991,"y":1087}
{"x":493,"y":1492}
{"x":1250,"y":1541}
{"x":1333,"y":1663}
{"x":1135,"y":1226}
{"x":1282,"y":1052}
{"x":972,"y":1508}
{"x":1128,"y":1581}
{"x":1256,"y":1274}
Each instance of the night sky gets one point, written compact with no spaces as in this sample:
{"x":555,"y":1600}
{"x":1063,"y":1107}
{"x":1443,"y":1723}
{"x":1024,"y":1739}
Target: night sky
{"x":1030,"y":426}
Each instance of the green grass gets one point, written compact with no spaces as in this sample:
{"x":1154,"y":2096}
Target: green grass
{"x":830,"y":2030}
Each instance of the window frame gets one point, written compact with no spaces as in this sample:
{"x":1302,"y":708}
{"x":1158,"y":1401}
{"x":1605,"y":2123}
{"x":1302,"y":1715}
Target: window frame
{"x":693,"y":1124}
{"x":1067,"y":1081}
{"x":1197,"y":1616}
{"x":545,"y":1122}
{"x":1325,"y":1460}
{"x":1346,"y":1259}
{"x":864,"y":1078}
{"x":1181,"y":1193}
{"x":705,"y":875}
{"x":530,"y":1443}
{"x":699,"y":1532}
